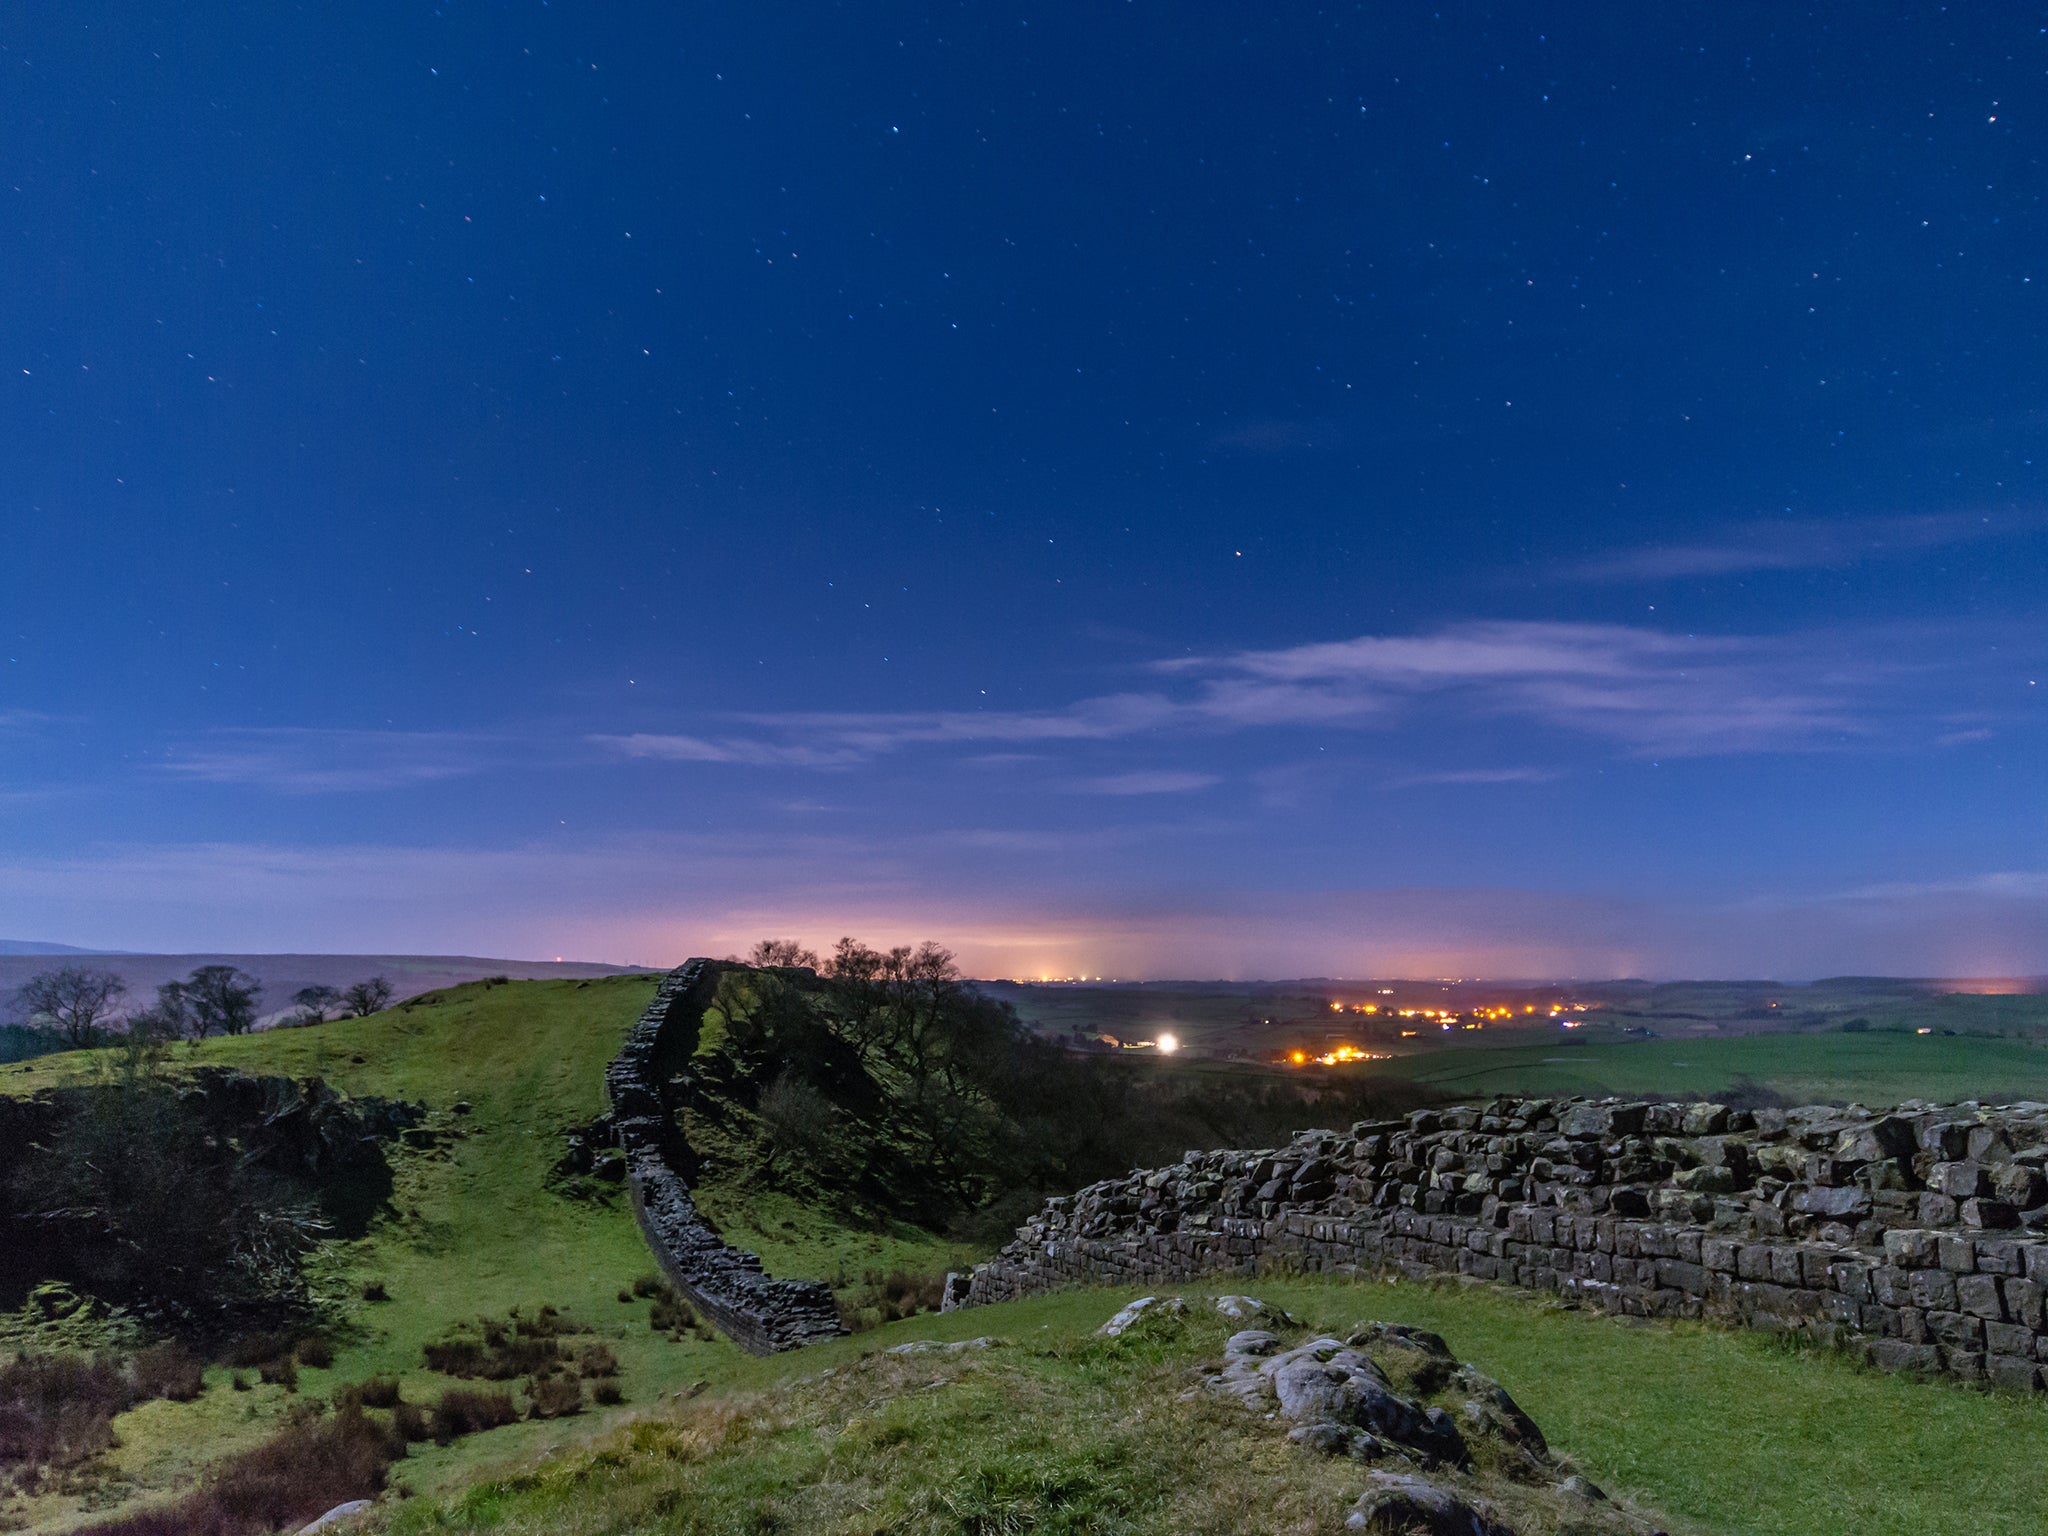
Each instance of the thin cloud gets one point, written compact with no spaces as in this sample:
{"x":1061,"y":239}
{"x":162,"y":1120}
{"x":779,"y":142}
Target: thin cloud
{"x":1147,"y":783}
{"x":1479,"y":776}
{"x":700,"y":749}
{"x":316,"y":762}
{"x":1788,"y":545}
{"x":1651,"y":692}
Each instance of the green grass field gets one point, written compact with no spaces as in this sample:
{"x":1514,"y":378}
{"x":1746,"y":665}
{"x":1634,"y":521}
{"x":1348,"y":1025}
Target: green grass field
{"x":1723,"y":1434}
{"x":1874,"y":1068}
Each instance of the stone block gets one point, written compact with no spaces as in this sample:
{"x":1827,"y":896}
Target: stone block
{"x":1704,"y":1119}
{"x":1961,"y":1181}
{"x":1844,"y":1203}
{"x":1965,"y":1363}
{"x":1908,"y":1248}
{"x":1932,"y":1289}
{"x":1956,"y":1330}
{"x":1958,"y":1254}
{"x":2009,"y":1339}
{"x":1894,"y":1355}
{"x":1978,"y":1295}
{"x":2023,"y":1302}
{"x":1946,"y":1139}
{"x":1991,"y":1215}
{"x":1937,"y":1209}
{"x":1999,"y":1256}
{"x":1678,"y":1275}
{"x":2014,"y":1372}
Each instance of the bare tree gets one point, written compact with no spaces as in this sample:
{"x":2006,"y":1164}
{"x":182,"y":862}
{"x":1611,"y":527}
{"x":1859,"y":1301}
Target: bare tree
{"x":783,"y":952}
{"x":366,"y":997}
{"x":800,"y":1120}
{"x":76,"y":1001}
{"x":169,"y":1018}
{"x":220,"y":999}
{"x":316,"y":1002}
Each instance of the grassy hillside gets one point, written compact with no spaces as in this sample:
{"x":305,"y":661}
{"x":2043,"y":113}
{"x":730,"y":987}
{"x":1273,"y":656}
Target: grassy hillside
{"x":473,"y":1230}
{"x":1724,"y":1434}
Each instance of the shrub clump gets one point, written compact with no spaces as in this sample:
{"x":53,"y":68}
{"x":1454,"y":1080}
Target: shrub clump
{"x":554,"y":1397}
{"x":672,"y":1315}
{"x":311,"y":1465}
{"x":465,"y":1410}
{"x":377,"y":1392}
{"x":57,"y":1410}
{"x":885,"y":1298}
{"x":495,"y":1351}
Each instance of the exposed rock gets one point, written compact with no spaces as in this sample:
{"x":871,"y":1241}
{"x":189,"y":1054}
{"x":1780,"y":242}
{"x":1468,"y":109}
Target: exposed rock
{"x":337,"y":1515}
{"x":1338,"y":1398}
{"x":1129,"y":1316}
{"x":1401,"y":1504}
{"x":940,"y":1347}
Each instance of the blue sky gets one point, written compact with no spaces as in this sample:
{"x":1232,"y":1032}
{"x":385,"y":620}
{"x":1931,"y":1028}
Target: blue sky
{"x":1121,"y":490}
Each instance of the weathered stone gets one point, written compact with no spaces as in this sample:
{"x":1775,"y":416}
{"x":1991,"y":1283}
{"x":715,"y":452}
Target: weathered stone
{"x":1627,"y":1206}
{"x":726,"y":1284}
{"x":1994,"y":1215}
{"x":1400,"y":1503}
{"x":1844,"y":1204}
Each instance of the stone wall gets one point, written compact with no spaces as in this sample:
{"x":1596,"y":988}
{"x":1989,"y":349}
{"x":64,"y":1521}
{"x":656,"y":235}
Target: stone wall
{"x":1917,"y":1236}
{"x":726,"y":1284}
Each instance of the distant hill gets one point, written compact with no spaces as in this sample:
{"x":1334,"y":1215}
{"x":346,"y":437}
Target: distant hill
{"x":39,"y":947}
{"x":283,"y":975}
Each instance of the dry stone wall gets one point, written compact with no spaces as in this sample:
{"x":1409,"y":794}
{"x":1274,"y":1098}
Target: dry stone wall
{"x":1917,"y":1236}
{"x":727,"y":1284}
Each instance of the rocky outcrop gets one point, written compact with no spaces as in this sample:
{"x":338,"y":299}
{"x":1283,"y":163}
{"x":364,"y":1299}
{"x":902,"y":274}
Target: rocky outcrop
{"x":727,"y":1284}
{"x":1917,"y":1235}
{"x":1449,"y":1450}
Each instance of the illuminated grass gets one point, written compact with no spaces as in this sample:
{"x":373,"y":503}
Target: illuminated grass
{"x":1874,"y":1068}
{"x":473,"y":1230}
{"x":1723,"y":1434}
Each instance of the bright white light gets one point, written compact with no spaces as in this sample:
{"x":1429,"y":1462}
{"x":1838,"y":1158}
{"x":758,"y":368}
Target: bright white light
{"x":1168,"y":1044}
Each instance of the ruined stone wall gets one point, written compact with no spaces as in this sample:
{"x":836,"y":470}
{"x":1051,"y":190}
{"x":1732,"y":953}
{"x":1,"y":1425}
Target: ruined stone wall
{"x":1917,"y":1236}
{"x":727,"y":1284}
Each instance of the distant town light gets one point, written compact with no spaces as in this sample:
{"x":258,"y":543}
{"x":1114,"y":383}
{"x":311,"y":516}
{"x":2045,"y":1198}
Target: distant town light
{"x":1168,"y":1044}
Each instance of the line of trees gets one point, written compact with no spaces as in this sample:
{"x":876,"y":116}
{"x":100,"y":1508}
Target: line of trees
{"x":885,"y":1076}
{"x":357,"y":1001}
{"x":81,"y":1005}
{"x":884,"y":1065}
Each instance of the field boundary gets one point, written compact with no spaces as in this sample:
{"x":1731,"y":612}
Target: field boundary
{"x":728,"y":1284}
{"x":1912,"y":1237}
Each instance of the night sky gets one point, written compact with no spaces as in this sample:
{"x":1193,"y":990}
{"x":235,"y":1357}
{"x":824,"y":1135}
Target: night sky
{"x":1126,"y":489}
